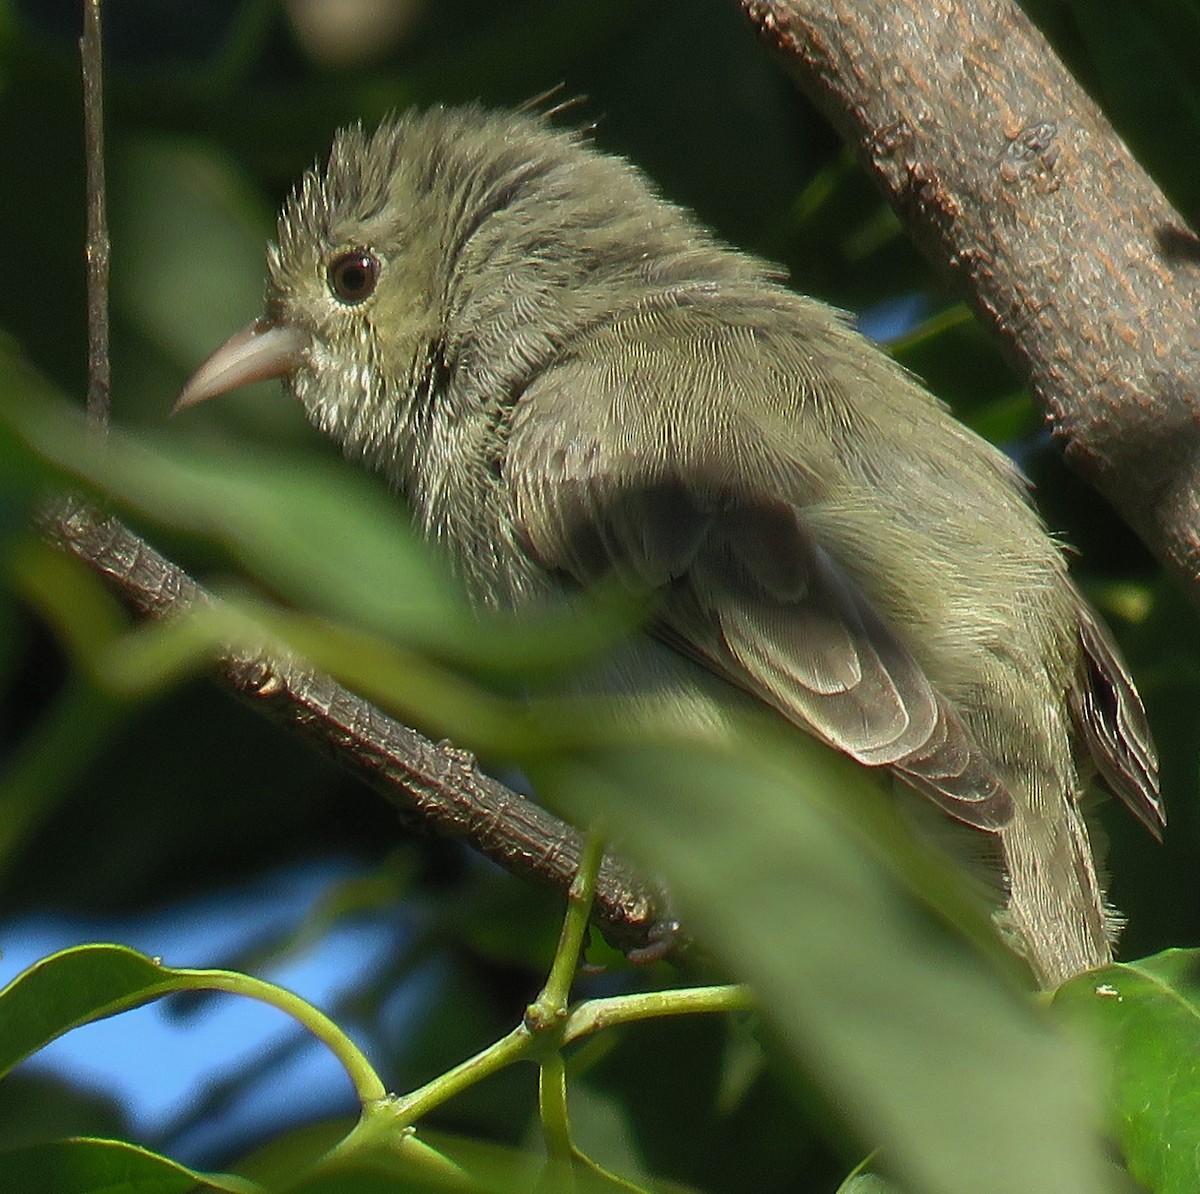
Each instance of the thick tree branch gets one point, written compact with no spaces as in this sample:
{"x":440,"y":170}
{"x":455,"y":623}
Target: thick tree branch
{"x":1012,"y":181}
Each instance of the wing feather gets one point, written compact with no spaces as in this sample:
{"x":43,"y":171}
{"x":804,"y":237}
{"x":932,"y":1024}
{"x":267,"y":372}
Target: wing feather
{"x":747,"y":592}
{"x":1109,"y":713}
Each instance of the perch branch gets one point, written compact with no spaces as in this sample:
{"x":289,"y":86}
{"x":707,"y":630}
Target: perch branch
{"x":437,"y":785}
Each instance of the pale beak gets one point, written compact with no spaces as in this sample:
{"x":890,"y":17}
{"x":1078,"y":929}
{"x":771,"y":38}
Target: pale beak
{"x":260,"y":351}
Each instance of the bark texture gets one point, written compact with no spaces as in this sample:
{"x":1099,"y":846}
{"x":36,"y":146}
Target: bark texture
{"x":437,"y":786}
{"x":1012,"y":181}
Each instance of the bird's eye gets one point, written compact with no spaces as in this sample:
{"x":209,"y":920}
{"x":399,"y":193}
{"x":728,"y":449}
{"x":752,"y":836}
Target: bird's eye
{"x":353,"y":276}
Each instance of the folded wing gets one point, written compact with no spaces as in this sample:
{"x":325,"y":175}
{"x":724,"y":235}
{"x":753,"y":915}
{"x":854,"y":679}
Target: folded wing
{"x":745,"y":590}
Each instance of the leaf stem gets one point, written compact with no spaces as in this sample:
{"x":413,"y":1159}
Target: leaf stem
{"x":367,"y":1084}
{"x":552,"y":1109}
{"x":407,"y":1109}
{"x":551,"y":1003}
{"x":539,"y":1035}
{"x":597,"y":1014}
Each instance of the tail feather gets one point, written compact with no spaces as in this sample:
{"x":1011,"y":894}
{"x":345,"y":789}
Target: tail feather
{"x":1055,"y":903}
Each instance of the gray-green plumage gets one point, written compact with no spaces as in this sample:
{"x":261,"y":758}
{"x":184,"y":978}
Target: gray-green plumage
{"x":569,"y":378}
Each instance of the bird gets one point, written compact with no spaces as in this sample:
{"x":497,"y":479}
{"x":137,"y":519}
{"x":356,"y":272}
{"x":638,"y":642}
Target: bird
{"x":573,"y":382}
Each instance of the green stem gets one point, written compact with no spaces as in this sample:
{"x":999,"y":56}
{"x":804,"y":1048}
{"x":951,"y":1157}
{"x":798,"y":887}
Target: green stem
{"x":378,"y":1126}
{"x":551,"y":1004}
{"x":548,"y":1026}
{"x":367,"y":1084}
{"x":552,"y":1107}
{"x":516,"y":1046}
{"x":437,"y":1165}
{"x":596,"y":1014}
{"x":538,"y":1035}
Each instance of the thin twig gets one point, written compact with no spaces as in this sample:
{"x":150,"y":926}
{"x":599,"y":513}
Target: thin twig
{"x":97,"y":245}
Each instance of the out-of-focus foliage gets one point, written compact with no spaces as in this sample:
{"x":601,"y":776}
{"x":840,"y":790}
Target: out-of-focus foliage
{"x":214,"y":108}
{"x":926,"y":1051}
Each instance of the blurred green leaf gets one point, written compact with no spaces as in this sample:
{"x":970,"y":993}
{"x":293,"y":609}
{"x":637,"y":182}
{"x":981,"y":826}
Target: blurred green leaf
{"x":956,"y":1077}
{"x":36,"y":1107}
{"x":357,"y":1178}
{"x":181,"y":206}
{"x":1146,"y":1017}
{"x":322,"y":534}
{"x":69,"y":597}
{"x":50,"y":759}
{"x":702,"y":1098}
{"x":601,"y":1128}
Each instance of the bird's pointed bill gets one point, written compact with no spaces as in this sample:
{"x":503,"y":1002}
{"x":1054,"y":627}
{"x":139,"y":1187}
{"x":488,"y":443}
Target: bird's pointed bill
{"x":260,"y":351}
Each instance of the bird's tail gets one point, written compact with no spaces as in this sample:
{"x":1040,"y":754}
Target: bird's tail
{"x":1056,"y":904}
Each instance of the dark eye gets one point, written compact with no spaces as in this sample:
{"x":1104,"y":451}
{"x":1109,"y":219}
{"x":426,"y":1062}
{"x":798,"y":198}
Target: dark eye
{"x":353,"y":275}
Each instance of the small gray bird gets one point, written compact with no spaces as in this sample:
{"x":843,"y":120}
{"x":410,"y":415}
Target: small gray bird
{"x":570,"y":380}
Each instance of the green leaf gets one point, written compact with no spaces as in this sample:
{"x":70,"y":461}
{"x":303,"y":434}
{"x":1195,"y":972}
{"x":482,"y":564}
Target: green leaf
{"x":324,"y":535}
{"x":102,"y":1167}
{"x":75,"y":987}
{"x":957,"y":1077}
{"x":90,"y":982}
{"x":1146,"y":1016}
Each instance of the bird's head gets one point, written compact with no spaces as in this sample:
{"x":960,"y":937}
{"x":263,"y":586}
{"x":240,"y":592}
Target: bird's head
{"x":355,"y":286}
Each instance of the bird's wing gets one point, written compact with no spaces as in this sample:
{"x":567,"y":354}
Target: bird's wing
{"x":1109,"y":713}
{"x":745,"y":589}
